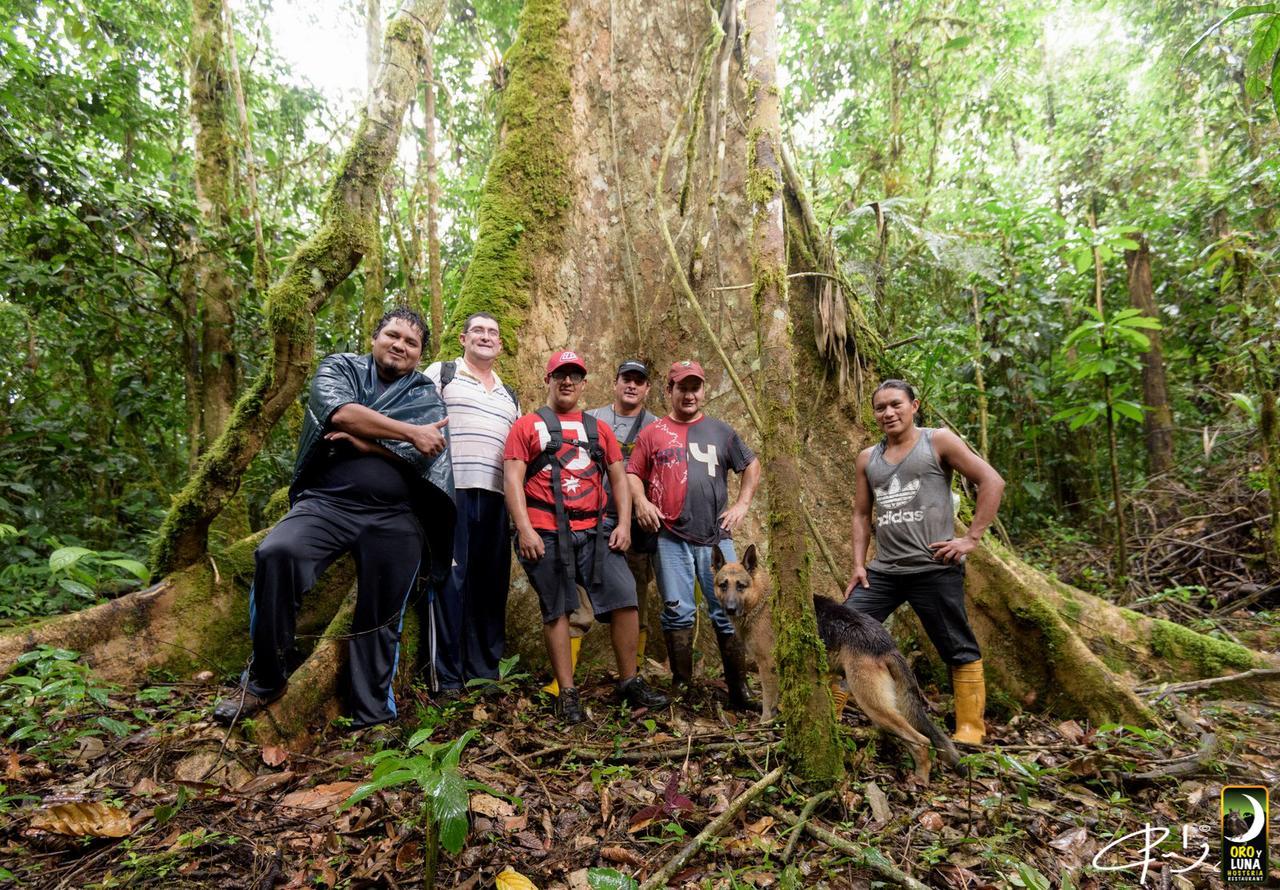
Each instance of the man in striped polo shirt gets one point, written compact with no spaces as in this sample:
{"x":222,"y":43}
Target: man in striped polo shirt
{"x":469,"y":609}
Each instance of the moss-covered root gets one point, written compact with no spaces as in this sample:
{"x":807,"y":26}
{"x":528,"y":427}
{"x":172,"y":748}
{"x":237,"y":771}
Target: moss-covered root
{"x":194,"y":619}
{"x":1032,"y":655}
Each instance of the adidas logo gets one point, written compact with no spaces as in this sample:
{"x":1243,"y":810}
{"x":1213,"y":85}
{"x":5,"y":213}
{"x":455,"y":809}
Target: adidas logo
{"x":897,"y":494}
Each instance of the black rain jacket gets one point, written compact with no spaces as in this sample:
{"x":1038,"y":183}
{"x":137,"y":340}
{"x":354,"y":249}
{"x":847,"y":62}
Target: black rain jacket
{"x":343,"y":378}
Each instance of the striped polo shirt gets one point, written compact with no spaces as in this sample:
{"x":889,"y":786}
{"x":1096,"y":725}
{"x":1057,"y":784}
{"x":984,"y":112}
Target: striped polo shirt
{"x":479,"y":421}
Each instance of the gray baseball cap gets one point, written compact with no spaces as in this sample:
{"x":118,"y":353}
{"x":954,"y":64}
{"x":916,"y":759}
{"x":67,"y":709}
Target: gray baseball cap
{"x":634,"y":365}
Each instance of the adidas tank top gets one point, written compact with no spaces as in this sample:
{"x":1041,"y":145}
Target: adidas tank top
{"x":913,"y":508}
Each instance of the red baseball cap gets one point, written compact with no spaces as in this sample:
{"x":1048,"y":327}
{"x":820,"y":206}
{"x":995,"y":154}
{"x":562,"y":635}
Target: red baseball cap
{"x":686,"y":368}
{"x":560,"y":359}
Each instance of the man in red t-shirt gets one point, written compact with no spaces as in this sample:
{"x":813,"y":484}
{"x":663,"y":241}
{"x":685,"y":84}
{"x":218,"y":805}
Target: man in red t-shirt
{"x":679,"y":487}
{"x":557,"y":502}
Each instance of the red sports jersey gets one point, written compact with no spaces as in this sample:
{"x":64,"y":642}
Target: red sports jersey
{"x":684,"y":468}
{"x":579,"y":477}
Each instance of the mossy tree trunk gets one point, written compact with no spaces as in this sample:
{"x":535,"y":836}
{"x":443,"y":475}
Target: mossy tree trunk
{"x":216,"y":293}
{"x":805,"y":700}
{"x":322,"y":263}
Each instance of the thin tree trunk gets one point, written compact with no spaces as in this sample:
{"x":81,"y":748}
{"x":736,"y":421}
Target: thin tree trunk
{"x":979,"y":381}
{"x":1113,"y":458}
{"x":805,"y":700}
{"x":210,"y":95}
{"x":261,"y":264}
{"x":1269,"y":427}
{"x":434,"y":272}
{"x":371,"y":307}
{"x":322,"y":263}
{"x":1158,"y":419}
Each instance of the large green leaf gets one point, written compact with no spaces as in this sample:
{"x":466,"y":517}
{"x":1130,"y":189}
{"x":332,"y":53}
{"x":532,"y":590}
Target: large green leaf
{"x":609,"y":879}
{"x":65,"y":557}
{"x":1235,"y":15}
{"x":447,"y":793}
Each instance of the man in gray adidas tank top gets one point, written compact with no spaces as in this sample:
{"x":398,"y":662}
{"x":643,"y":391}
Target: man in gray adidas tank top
{"x":919,"y":559}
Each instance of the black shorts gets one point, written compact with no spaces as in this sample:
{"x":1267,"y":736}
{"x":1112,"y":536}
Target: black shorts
{"x":937,"y":597}
{"x":618,"y":590}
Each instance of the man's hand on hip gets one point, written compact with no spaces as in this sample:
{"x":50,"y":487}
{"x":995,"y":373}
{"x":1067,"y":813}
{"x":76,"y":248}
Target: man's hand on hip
{"x":954,"y":550}
{"x":859,"y":579}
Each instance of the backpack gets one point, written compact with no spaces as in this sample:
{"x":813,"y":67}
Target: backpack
{"x":550,"y":457}
{"x":449,"y":370}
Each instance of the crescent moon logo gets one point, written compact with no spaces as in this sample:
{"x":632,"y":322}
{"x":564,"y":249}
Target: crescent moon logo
{"x":1255,"y":828}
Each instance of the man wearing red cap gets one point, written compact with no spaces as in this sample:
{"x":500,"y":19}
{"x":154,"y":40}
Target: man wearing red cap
{"x":678,"y":477}
{"x":556,"y":460}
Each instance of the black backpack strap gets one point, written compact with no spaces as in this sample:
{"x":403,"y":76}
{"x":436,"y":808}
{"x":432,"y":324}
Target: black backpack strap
{"x":594,"y":449}
{"x":514,"y":398}
{"x":550,"y":457}
{"x":448,"y":370}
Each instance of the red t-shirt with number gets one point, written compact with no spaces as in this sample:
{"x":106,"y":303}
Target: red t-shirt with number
{"x":580,"y":478}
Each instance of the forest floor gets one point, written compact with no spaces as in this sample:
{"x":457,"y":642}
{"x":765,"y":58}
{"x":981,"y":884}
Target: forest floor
{"x":187,"y":804}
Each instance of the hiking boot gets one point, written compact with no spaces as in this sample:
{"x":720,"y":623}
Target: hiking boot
{"x":569,"y":707}
{"x":243,"y":704}
{"x":680,"y":656}
{"x":636,"y":693}
{"x":734,"y":658}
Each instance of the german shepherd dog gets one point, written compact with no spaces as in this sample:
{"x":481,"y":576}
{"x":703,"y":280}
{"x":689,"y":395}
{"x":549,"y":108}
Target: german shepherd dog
{"x":880,"y":681}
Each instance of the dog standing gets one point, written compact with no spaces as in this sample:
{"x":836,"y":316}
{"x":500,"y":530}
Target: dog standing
{"x":879,"y":679}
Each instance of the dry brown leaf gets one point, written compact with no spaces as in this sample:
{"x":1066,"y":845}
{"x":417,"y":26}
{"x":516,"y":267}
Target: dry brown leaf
{"x":320,"y":797}
{"x":274,"y":755}
{"x":88,"y":748}
{"x":578,"y":879}
{"x":408,"y":856}
{"x":547,"y":830}
{"x":266,"y":782}
{"x":1071,"y":839}
{"x":1072,"y":731}
{"x":930,"y":820}
{"x":761,"y":825}
{"x":145,"y":787}
{"x":13,"y":771}
{"x":515,"y":823}
{"x":85,"y":819}
{"x":583,"y":842}
{"x":878,"y":802}
{"x":479,"y":714}
{"x":606,"y":805}
{"x":203,"y":677}
{"x":621,"y":856}
{"x":488,"y":805}
{"x":761,"y":878}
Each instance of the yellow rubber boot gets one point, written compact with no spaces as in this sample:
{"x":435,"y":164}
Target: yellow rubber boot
{"x":971,"y":700}
{"x":839,"y":697}
{"x":640,"y":641}
{"x":575,"y":644}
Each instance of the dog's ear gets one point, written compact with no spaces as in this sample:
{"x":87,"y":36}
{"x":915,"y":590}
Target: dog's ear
{"x":717,"y":559}
{"x":749,"y":559}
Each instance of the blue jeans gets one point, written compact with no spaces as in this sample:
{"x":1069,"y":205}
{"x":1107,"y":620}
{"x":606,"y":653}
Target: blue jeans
{"x":677,"y":564}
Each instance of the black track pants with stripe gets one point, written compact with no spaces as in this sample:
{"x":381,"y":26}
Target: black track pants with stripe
{"x":387,"y":547}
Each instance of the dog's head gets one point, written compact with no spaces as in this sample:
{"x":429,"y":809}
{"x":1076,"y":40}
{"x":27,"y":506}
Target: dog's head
{"x":736,"y":582}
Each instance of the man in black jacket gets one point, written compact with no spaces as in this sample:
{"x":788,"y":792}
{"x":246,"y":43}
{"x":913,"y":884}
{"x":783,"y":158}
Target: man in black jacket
{"x":372,"y":478}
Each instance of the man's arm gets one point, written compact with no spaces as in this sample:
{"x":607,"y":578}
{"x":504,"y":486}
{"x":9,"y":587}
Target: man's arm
{"x":952,"y":451}
{"x":647,"y":513}
{"x":620,"y":539}
{"x":730,"y":519}
{"x":357,"y":420}
{"x":528,"y":541}
{"x":364,"y":446}
{"x":861,"y":522}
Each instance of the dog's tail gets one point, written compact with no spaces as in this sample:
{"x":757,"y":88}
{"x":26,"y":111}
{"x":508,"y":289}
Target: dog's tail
{"x":911,"y":701}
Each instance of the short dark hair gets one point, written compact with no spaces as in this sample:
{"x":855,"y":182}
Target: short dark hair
{"x":466,"y":325}
{"x":895,"y":383}
{"x":403,"y":313}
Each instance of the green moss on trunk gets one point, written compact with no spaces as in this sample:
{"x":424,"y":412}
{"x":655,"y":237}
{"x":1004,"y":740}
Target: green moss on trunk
{"x":526,"y":189}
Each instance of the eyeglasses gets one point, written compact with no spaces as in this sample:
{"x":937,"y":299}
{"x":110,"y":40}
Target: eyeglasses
{"x":571,"y":376}
{"x":492,"y":332}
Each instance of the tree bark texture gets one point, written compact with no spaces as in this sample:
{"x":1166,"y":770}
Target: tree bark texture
{"x":374,"y":300}
{"x":805,"y":700}
{"x":435,"y":308}
{"x":210,"y":88}
{"x":1158,"y":420}
{"x":322,"y":263}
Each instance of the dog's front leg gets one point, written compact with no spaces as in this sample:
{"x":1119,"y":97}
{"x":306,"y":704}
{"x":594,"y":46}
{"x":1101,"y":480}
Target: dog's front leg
{"x":769,"y":690}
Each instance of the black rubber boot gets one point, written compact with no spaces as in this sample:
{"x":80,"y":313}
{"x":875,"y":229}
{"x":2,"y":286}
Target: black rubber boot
{"x":680,"y":655}
{"x":735,"y":673}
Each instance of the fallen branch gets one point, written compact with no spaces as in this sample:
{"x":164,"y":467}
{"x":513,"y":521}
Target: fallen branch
{"x":713,"y":830}
{"x":868,"y":857}
{"x":1184,"y":766}
{"x":1195,"y":685}
{"x":805,"y":812}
